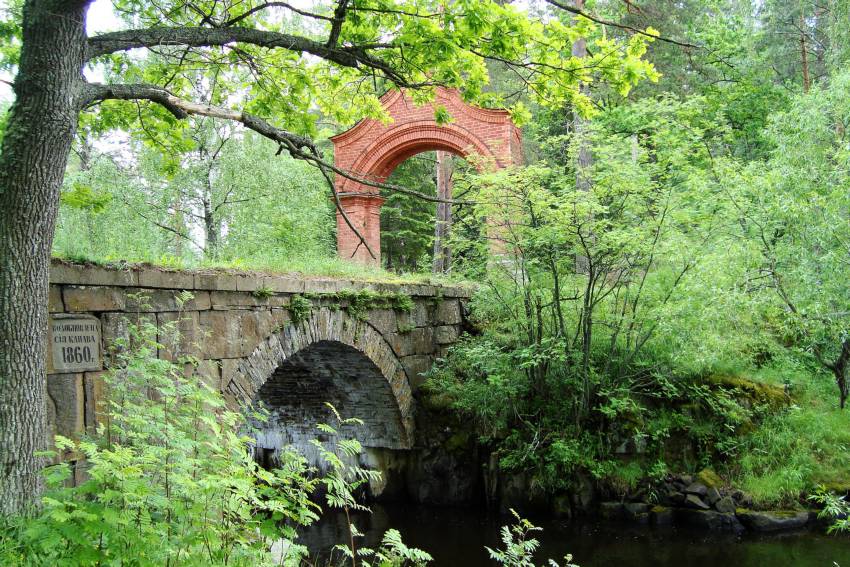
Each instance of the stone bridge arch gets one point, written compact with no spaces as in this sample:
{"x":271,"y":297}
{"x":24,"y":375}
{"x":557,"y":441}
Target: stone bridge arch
{"x":329,"y":358}
{"x":372,"y":150}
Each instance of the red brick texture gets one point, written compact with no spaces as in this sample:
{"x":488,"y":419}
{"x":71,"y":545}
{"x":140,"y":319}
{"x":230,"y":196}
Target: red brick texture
{"x":372,"y":150}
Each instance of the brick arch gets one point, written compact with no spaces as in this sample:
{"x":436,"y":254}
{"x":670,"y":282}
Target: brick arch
{"x":354,"y":364}
{"x":372,"y":150}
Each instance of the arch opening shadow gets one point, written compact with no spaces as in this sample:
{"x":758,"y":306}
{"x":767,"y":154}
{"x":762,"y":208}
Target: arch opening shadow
{"x":297,"y":392}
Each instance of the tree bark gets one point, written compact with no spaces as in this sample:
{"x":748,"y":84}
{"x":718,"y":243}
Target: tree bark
{"x":34,"y":153}
{"x":442,"y":251}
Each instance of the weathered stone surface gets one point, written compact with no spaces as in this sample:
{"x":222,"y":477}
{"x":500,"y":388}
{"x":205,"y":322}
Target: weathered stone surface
{"x":67,"y":402}
{"x":416,"y":366}
{"x":153,"y":300}
{"x":694,"y":501}
{"x":422,"y":340}
{"x":98,"y":298}
{"x":283,"y":285}
{"x":709,"y":478}
{"x":383,"y":320}
{"x":697,"y":488}
{"x":115,"y":326}
{"x":773,"y":521}
{"x":725,"y":505}
{"x":54,"y":300}
{"x":249,"y":282}
{"x":446,"y":334}
{"x":215,"y":281}
{"x":179,"y":335}
{"x":222,"y":333}
{"x":448,"y":312}
{"x":157,"y":278}
{"x":401,"y":343}
{"x":238,"y":299}
{"x":210,"y":372}
{"x":90,"y":274}
{"x":712,"y":496}
{"x":229,"y":367}
{"x":256,"y":325}
{"x":709,"y":520}
{"x":94,"y":389}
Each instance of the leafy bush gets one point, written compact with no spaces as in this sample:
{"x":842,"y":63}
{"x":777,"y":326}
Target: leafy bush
{"x":520,"y":546}
{"x":168,"y":479}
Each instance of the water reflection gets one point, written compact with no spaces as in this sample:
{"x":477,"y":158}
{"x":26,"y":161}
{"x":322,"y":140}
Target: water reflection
{"x":456,"y":538}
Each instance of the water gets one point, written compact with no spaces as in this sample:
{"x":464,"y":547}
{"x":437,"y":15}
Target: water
{"x":456,"y":538}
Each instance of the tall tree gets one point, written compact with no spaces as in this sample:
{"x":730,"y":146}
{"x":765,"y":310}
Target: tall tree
{"x":443,"y":226}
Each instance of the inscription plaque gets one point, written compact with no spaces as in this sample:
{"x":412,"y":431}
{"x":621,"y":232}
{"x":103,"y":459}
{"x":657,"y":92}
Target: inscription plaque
{"x":75,"y":343}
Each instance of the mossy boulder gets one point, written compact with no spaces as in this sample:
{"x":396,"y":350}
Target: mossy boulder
{"x":709,"y":478}
{"x":751,"y":391}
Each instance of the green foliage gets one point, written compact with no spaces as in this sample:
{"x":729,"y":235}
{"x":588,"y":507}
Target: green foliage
{"x":833,"y":508}
{"x":342,"y":479}
{"x":357,"y":303}
{"x":299,"y":308}
{"x":167,"y":478}
{"x":520,"y":546}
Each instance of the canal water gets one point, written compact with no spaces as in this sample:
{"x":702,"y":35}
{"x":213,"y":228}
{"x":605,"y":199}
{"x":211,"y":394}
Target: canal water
{"x":456,"y":538}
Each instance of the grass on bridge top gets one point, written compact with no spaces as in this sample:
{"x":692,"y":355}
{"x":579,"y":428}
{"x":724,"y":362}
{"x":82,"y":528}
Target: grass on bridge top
{"x":301,"y":266}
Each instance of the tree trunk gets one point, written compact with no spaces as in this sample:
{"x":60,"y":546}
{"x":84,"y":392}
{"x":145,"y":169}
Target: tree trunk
{"x":584,"y":160}
{"x":34,"y":153}
{"x":442,"y":251}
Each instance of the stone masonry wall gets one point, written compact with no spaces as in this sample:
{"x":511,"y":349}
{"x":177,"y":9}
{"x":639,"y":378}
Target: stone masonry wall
{"x":228,"y":323}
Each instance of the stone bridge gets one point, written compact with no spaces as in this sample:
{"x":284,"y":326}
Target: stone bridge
{"x":291,"y":343}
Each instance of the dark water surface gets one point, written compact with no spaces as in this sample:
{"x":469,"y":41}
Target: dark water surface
{"x":456,"y":538}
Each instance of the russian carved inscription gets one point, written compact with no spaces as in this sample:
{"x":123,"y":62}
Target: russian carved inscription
{"x":75,"y":343}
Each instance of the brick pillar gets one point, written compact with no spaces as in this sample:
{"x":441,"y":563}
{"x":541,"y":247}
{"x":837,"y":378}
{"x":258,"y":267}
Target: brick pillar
{"x":364,"y":211}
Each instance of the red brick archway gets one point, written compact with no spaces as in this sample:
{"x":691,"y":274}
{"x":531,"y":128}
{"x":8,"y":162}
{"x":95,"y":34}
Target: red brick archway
{"x":372,"y":150}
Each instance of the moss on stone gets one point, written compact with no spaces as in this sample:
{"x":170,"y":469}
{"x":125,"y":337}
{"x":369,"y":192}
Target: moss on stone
{"x":709,"y":478}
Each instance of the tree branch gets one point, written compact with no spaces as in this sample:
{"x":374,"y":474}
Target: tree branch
{"x":346,"y":56}
{"x":592,"y":18}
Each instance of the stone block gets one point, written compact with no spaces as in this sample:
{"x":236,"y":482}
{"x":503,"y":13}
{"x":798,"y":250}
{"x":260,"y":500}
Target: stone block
{"x":282,"y":284}
{"x":416,"y":366}
{"x":446,"y":334}
{"x":115,"y":328}
{"x":322,"y":286}
{"x":256,"y":326}
{"x":773,"y":521}
{"x":243,"y":299}
{"x":156,"y":300}
{"x":179,"y":334}
{"x":448,"y":312}
{"x":98,"y":298}
{"x":222,"y":333}
{"x":210,"y":373}
{"x":54,"y":300}
{"x":248,"y":282}
{"x":153,"y":277}
{"x":422,"y":340}
{"x":401,"y":343}
{"x":280,"y":319}
{"x":90,"y":274}
{"x":464,"y":292}
{"x":383,"y":320}
{"x":215,"y":282}
{"x":67,"y":400}
{"x":229,"y":368}
{"x":94,"y":389}
{"x":74,"y":343}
